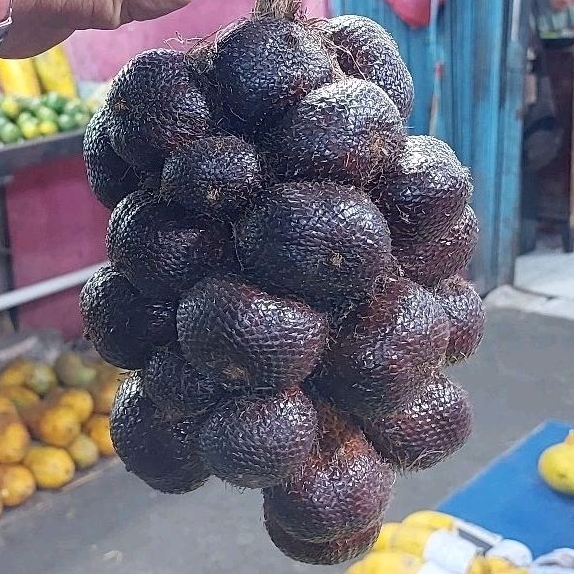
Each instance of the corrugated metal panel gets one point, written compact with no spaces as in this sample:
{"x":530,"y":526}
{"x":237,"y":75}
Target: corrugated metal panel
{"x":481,"y":95}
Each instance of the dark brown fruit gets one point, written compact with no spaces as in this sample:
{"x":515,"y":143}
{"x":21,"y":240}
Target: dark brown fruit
{"x":429,"y":262}
{"x":429,"y":429}
{"x":156,"y":107}
{"x":465,"y":311}
{"x":377,"y":361}
{"x":258,"y":442}
{"x":349,"y":131}
{"x":242,"y":333}
{"x":122,"y":325}
{"x":109,"y":176}
{"x":425,"y":191}
{"x":178,"y":388}
{"x":264,"y":65}
{"x":328,"y":553}
{"x":161,"y":452}
{"x":366,"y":50}
{"x":342,"y":488}
{"x":218,"y":177}
{"x":322,"y":241}
{"x":163,"y":250}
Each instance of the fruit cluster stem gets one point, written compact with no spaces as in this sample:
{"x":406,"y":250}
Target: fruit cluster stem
{"x":278,"y":8}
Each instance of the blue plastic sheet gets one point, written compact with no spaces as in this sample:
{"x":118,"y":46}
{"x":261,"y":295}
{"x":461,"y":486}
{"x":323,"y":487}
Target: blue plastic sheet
{"x":510,"y":498}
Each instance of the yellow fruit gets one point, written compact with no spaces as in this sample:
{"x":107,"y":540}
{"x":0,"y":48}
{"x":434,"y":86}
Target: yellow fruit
{"x":14,"y":439}
{"x":556,"y":466}
{"x":42,"y":379}
{"x":30,"y":129}
{"x":11,"y":107}
{"x":55,"y":425}
{"x":19,"y":78}
{"x":7,"y":406}
{"x":48,"y":128}
{"x":16,"y":373}
{"x":55,"y":72}
{"x":51,"y":467}
{"x":98,"y":429}
{"x":17,"y":484}
{"x":72,"y":371}
{"x":431,"y":519}
{"x":84,"y":452}
{"x":79,"y":400}
{"x":105,"y":389}
{"x":387,"y":563}
{"x":21,"y":397}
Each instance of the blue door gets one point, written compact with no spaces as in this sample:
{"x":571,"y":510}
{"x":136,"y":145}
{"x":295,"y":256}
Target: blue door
{"x":482,"y":48}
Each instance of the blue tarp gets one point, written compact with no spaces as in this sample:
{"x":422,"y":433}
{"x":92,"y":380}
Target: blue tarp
{"x":510,"y":498}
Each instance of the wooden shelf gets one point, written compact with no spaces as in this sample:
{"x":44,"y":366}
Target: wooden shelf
{"x":16,"y":157}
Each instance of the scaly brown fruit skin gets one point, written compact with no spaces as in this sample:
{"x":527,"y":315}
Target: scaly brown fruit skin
{"x":231,"y":329}
{"x":175,"y":386}
{"x":123,"y":326}
{"x":429,"y":429}
{"x":328,"y":553}
{"x":161,"y":452}
{"x":262,"y":66}
{"x":349,"y":131}
{"x":466,"y":315}
{"x":109,"y":176}
{"x":343,"y":488}
{"x":256,"y":442}
{"x":377,"y":361}
{"x":424,"y":193}
{"x":143,"y":135}
{"x":322,"y":241}
{"x":218,"y":177}
{"x":161,"y":249}
{"x":366,"y":50}
{"x":429,"y":262}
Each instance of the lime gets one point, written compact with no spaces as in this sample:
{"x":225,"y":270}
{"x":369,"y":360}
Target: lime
{"x":30,"y":129}
{"x":44,"y":113}
{"x":66,"y":123}
{"x":11,"y":107}
{"x":25,"y":117}
{"x":75,"y":106}
{"x":9,"y":133}
{"x":31,"y":104}
{"x":54,"y":101}
{"x":81,"y":119}
{"x":48,"y":127}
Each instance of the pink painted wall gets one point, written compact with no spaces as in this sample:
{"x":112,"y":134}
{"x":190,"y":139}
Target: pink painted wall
{"x":55,"y":224}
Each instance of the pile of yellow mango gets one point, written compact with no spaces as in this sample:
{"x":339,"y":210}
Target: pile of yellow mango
{"x":54,"y":421}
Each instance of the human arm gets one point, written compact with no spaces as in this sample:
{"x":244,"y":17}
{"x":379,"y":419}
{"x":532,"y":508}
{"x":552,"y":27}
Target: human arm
{"x":41,"y":24}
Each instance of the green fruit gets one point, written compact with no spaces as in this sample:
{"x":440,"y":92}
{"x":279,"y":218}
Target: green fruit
{"x":66,"y":123}
{"x":82,"y":119}
{"x":30,"y":129}
{"x":46,"y":114}
{"x":24,"y":117}
{"x":48,"y":128}
{"x":9,"y":133}
{"x":72,"y":107}
{"x":54,"y":101}
{"x":31,"y":104}
{"x":11,"y":107}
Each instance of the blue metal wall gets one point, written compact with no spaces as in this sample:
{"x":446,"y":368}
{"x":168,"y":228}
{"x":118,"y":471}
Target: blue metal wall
{"x":482,"y":45}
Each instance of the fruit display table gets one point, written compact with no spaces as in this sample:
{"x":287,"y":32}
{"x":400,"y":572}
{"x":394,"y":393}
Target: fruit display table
{"x":16,"y":157}
{"x":510,"y":498}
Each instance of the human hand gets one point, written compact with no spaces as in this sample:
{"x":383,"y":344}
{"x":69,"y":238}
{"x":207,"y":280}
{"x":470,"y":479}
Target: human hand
{"x":41,"y":24}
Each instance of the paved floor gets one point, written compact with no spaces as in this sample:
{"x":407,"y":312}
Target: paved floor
{"x":523,"y":374}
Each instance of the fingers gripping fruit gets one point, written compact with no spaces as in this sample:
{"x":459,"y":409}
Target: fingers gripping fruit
{"x":282,"y":275}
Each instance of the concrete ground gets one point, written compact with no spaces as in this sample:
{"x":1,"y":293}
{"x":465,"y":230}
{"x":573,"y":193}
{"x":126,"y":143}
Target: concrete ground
{"x":523,"y":374}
